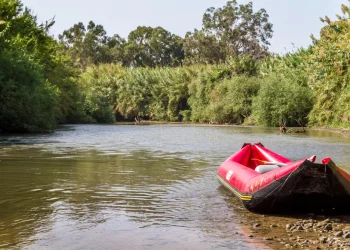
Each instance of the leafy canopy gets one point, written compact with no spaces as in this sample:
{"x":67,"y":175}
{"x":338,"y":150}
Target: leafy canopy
{"x":228,"y":32}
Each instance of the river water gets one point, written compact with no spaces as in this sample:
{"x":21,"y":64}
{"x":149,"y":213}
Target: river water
{"x":134,"y":187}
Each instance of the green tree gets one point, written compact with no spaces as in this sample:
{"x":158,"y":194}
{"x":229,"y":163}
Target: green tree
{"x":153,"y":47}
{"x":329,"y":73}
{"x":28,"y":100}
{"x":100,"y":85}
{"x":228,"y":32}
{"x":91,"y":45}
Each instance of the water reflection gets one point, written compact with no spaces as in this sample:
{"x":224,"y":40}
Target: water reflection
{"x":131,"y":187}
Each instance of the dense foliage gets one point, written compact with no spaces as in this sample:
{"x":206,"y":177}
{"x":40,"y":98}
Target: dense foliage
{"x":222,"y":73}
{"x":28,"y":100}
{"x":229,"y":32}
{"x":329,"y":73}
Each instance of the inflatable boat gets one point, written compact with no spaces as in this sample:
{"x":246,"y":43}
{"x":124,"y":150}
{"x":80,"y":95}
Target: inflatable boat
{"x":267,"y":182}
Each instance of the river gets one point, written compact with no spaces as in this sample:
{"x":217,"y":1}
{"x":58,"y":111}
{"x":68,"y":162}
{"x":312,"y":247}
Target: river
{"x":134,"y":187}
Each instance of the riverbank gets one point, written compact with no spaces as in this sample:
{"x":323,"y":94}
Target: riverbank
{"x":301,"y":232}
{"x":344,"y":132}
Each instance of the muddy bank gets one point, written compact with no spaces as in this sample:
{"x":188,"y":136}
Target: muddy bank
{"x":301,"y":232}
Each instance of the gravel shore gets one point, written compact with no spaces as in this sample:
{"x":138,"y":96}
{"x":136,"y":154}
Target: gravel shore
{"x":305,"y":232}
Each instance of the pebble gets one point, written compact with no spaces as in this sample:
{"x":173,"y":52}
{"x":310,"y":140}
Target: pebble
{"x":308,"y":225}
{"x":328,"y":227}
{"x":323,"y":239}
{"x":256,"y":225}
{"x":346,"y":236}
{"x":338,"y":234}
{"x":302,"y":233}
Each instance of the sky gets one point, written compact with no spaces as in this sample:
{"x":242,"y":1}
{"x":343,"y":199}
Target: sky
{"x":294,"y":20}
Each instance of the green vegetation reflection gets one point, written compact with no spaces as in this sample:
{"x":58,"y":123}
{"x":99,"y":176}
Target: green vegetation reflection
{"x":38,"y":187}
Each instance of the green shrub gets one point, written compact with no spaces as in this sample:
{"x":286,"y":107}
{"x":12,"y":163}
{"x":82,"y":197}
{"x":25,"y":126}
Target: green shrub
{"x":281,"y":100}
{"x":231,"y":99}
{"x":28,"y":101}
{"x":201,"y":87}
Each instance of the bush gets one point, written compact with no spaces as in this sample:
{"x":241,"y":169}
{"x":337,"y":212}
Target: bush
{"x":280,"y":100}
{"x":201,"y":87}
{"x":231,"y":99}
{"x":28,"y":102}
{"x":99,"y":85}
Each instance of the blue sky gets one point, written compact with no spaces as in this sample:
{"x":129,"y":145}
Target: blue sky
{"x":293,"y":20}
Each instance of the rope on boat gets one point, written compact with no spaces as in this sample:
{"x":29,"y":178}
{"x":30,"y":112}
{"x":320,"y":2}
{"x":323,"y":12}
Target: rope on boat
{"x":291,"y":174}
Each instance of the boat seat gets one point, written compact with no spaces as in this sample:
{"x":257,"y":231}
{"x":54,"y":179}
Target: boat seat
{"x":262,"y":169}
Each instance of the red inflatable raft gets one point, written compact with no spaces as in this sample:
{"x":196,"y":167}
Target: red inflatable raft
{"x":269,"y":183}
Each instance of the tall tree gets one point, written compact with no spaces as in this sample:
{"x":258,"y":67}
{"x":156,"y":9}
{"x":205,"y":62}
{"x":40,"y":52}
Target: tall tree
{"x":229,"y":31}
{"x":89,"y":45}
{"x":153,"y":47}
{"x":28,"y":100}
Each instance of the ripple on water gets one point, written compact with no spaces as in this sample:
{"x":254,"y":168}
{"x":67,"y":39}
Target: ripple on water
{"x":100,"y":186}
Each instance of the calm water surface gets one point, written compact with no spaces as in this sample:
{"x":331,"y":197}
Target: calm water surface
{"x":134,"y":187}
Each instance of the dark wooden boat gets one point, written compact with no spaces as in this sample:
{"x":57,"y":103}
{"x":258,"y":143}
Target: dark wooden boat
{"x":267,"y":182}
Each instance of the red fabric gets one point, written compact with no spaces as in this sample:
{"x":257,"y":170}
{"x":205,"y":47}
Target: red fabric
{"x":262,"y":180}
{"x":326,"y":160}
{"x":238,"y":170}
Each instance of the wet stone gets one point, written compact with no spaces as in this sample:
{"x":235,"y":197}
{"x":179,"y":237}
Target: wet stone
{"x":338,"y":234}
{"x":256,"y":225}
{"x":308,"y":225}
{"x":323,"y":239}
{"x":328,"y":227}
{"x":346,"y":236}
